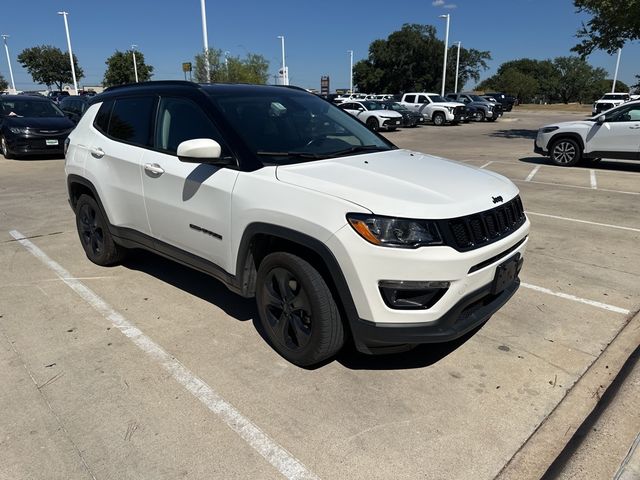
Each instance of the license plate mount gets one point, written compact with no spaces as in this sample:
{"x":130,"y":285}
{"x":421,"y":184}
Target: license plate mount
{"x":506,"y":274}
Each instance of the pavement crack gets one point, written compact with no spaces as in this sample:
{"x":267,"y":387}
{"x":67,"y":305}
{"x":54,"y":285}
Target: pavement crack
{"x":34,"y":236}
{"x":51,"y":380}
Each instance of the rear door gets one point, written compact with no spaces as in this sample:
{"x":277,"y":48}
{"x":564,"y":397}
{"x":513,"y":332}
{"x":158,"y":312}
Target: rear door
{"x":123,"y":132}
{"x":188,"y":204}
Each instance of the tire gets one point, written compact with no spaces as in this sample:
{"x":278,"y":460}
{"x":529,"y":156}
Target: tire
{"x":93,"y":230}
{"x":5,"y":149}
{"x":492,"y":119}
{"x":297,"y":310}
{"x":480,"y":116}
{"x":373,"y":124}
{"x":565,"y":152}
{"x":438,"y":119}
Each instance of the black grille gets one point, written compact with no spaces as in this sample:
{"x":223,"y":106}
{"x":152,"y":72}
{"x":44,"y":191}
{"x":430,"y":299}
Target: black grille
{"x":602,"y":107}
{"x":459,"y":110}
{"x":480,"y":229}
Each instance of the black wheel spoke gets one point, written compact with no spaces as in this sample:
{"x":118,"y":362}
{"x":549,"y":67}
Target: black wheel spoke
{"x":300,"y":330}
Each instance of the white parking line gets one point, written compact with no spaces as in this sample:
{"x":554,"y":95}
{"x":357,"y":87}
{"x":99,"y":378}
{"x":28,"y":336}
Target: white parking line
{"x":289,"y":466}
{"x":566,"y":296}
{"x":532,"y":174}
{"x":592,"y":178}
{"x":608,"y":225}
{"x":487,"y":164}
{"x":577,"y":186}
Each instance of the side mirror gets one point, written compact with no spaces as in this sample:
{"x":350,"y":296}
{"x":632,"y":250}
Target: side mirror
{"x":360,"y":109}
{"x":201,"y":150}
{"x":601,"y":119}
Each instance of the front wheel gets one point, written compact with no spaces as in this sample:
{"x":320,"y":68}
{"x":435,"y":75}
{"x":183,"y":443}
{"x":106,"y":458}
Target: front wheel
{"x":94,"y":234}
{"x":438,"y":119}
{"x":479,"y":117}
{"x":373,"y":124}
{"x":565,"y":152}
{"x":297,"y":310}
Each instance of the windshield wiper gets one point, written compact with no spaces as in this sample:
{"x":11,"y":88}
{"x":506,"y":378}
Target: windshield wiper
{"x":358,"y":149}
{"x":314,"y":156}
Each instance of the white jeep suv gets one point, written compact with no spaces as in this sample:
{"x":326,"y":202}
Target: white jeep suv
{"x":612,"y":134}
{"x":282,"y":196}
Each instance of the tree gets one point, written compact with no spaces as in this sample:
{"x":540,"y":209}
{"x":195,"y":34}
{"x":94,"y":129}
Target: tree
{"x":411,"y":59}
{"x":3,"y":83}
{"x":636,"y":88}
{"x":614,"y":23}
{"x":514,"y":82}
{"x":253,"y":68}
{"x":49,"y":65}
{"x":577,"y":78}
{"x":120,"y":68}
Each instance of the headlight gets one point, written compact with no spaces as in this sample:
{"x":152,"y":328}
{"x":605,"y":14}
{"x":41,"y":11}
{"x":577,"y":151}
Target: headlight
{"x":450,"y":109}
{"x":395,"y":232}
{"x":548,"y":129}
{"x":18,"y":130}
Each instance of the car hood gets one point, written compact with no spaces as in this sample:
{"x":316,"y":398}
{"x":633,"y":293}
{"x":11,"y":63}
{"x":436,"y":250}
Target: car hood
{"x":52,"y":123}
{"x":573,"y":124}
{"x":403,"y":183}
{"x":386,"y":113}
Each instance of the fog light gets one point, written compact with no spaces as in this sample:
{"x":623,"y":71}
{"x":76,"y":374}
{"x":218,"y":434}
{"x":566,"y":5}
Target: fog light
{"x":411,"y":295}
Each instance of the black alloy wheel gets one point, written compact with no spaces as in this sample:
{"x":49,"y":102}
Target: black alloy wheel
{"x":94,"y":234}
{"x":373,"y":124}
{"x":297,"y":310}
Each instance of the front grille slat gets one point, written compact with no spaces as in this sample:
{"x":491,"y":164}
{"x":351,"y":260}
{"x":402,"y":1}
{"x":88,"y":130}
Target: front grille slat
{"x":480,"y":229}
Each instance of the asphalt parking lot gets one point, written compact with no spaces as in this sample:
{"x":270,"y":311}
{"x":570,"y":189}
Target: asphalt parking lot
{"x":150,"y":370}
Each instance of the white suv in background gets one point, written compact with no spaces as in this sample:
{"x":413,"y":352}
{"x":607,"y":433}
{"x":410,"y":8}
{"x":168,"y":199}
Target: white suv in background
{"x":609,"y":101}
{"x":373,"y":115}
{"x":613,"y":134}
{"x":282,"y":196}
{"x":435,"y":108}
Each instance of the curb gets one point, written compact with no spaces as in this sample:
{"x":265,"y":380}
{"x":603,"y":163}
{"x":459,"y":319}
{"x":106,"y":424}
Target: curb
{"x":540,"y":450}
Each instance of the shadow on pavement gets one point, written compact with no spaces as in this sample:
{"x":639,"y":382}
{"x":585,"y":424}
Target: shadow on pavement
{"x":243,"y":309}
{"x":33,"y":158}
{"x":602,"y":165}
{"x":514,"y":133}
{"x":193,"y":282}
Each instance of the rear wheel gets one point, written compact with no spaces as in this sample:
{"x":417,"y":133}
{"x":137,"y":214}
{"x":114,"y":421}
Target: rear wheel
{"x":438,"y":119}
{"x":297,"y":310}
{"x":565,"y":152}
{"x":373,"y":124}
{"x":95,"y":237}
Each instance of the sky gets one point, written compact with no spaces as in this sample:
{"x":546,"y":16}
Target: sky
{"x":317,"y":34}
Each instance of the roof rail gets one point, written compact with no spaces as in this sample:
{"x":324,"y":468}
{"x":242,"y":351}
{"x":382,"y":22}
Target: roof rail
{"x":183,"y":83}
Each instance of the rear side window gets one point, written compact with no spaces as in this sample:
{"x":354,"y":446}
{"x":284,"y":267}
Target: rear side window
{"x":131,"y":120}
{"x":410,"y":99}
{"x":102,"y":118}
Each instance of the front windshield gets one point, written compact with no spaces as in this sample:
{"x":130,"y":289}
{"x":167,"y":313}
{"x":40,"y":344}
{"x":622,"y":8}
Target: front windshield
{"x":437,"y":98}
{"x":478,"y":98}
{"x":26,"y":107}
{"x":285,"y":126}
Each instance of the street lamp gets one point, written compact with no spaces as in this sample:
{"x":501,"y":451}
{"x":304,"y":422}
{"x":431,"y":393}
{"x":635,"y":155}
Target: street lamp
{"x":73,"y":68}
{"x":446,"y":47}
{"x":6,"y":47}
{"x":455,"y":89}
{"x":205,"y":38}
{"x":350,"y":52}
{"x":615,"y":76}
{"x":135,"y":66}
{"x":285,"y":73}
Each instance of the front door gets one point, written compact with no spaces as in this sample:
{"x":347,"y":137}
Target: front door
{"x":618,"y":136}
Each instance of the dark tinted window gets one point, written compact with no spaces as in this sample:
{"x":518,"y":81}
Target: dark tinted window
{"x":131,"y":120}
{"x":179,"y":120}
{"x":102,"y":118}
{"x":410,"y":99}
{"x":422,"y":99}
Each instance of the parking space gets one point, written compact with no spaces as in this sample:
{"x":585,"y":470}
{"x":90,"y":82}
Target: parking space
{"x":96,"y":397}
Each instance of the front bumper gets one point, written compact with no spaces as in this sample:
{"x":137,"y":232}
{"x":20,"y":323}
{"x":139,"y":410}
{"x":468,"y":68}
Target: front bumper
{"x":392,"y":123}
{"x":469,"y":313}
{"x":35,"y":145}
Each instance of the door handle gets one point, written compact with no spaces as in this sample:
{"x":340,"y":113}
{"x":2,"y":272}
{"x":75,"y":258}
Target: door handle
{"x":97,"y":152}
{"x":635,"y":127}
{"x":153,"y":170}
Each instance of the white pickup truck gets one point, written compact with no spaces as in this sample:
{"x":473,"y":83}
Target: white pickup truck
{"x":435,"y":108}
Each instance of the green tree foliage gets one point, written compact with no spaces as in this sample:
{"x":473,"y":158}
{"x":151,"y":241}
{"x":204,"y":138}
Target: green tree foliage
{"x":411,"y":59}
{"x":120,"y":69}
{"x":613,"y":23}
{"x":49,"y":65}
{"x":251,"y":69}
{"x":636,"y":87}
{"x":3,"y":83}
{"x":577,"y":79}
{"x":514,"y":82}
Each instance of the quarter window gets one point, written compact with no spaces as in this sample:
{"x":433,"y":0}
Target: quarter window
{"x":102,"y":118}
{"x":131,"y":120}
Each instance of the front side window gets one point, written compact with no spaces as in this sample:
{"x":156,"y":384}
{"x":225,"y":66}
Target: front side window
{"x":131,"y":120}
{"x":180,"y":119}
{"x":422,"y":99}
{"x":629,"y":113}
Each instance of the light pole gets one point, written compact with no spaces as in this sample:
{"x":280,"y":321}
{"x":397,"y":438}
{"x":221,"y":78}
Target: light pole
{"x":350,"y":52}
{"x":205,"y":38}
{"x":6,"y":47}
{"x":446,"y":47}
{"x":135,"y":66}
{"x":73,"y":68}
{"x":615,"y":76}
{"x":285,"y":73}
{"x":226,"y":63}
{"x":455,"y":89}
